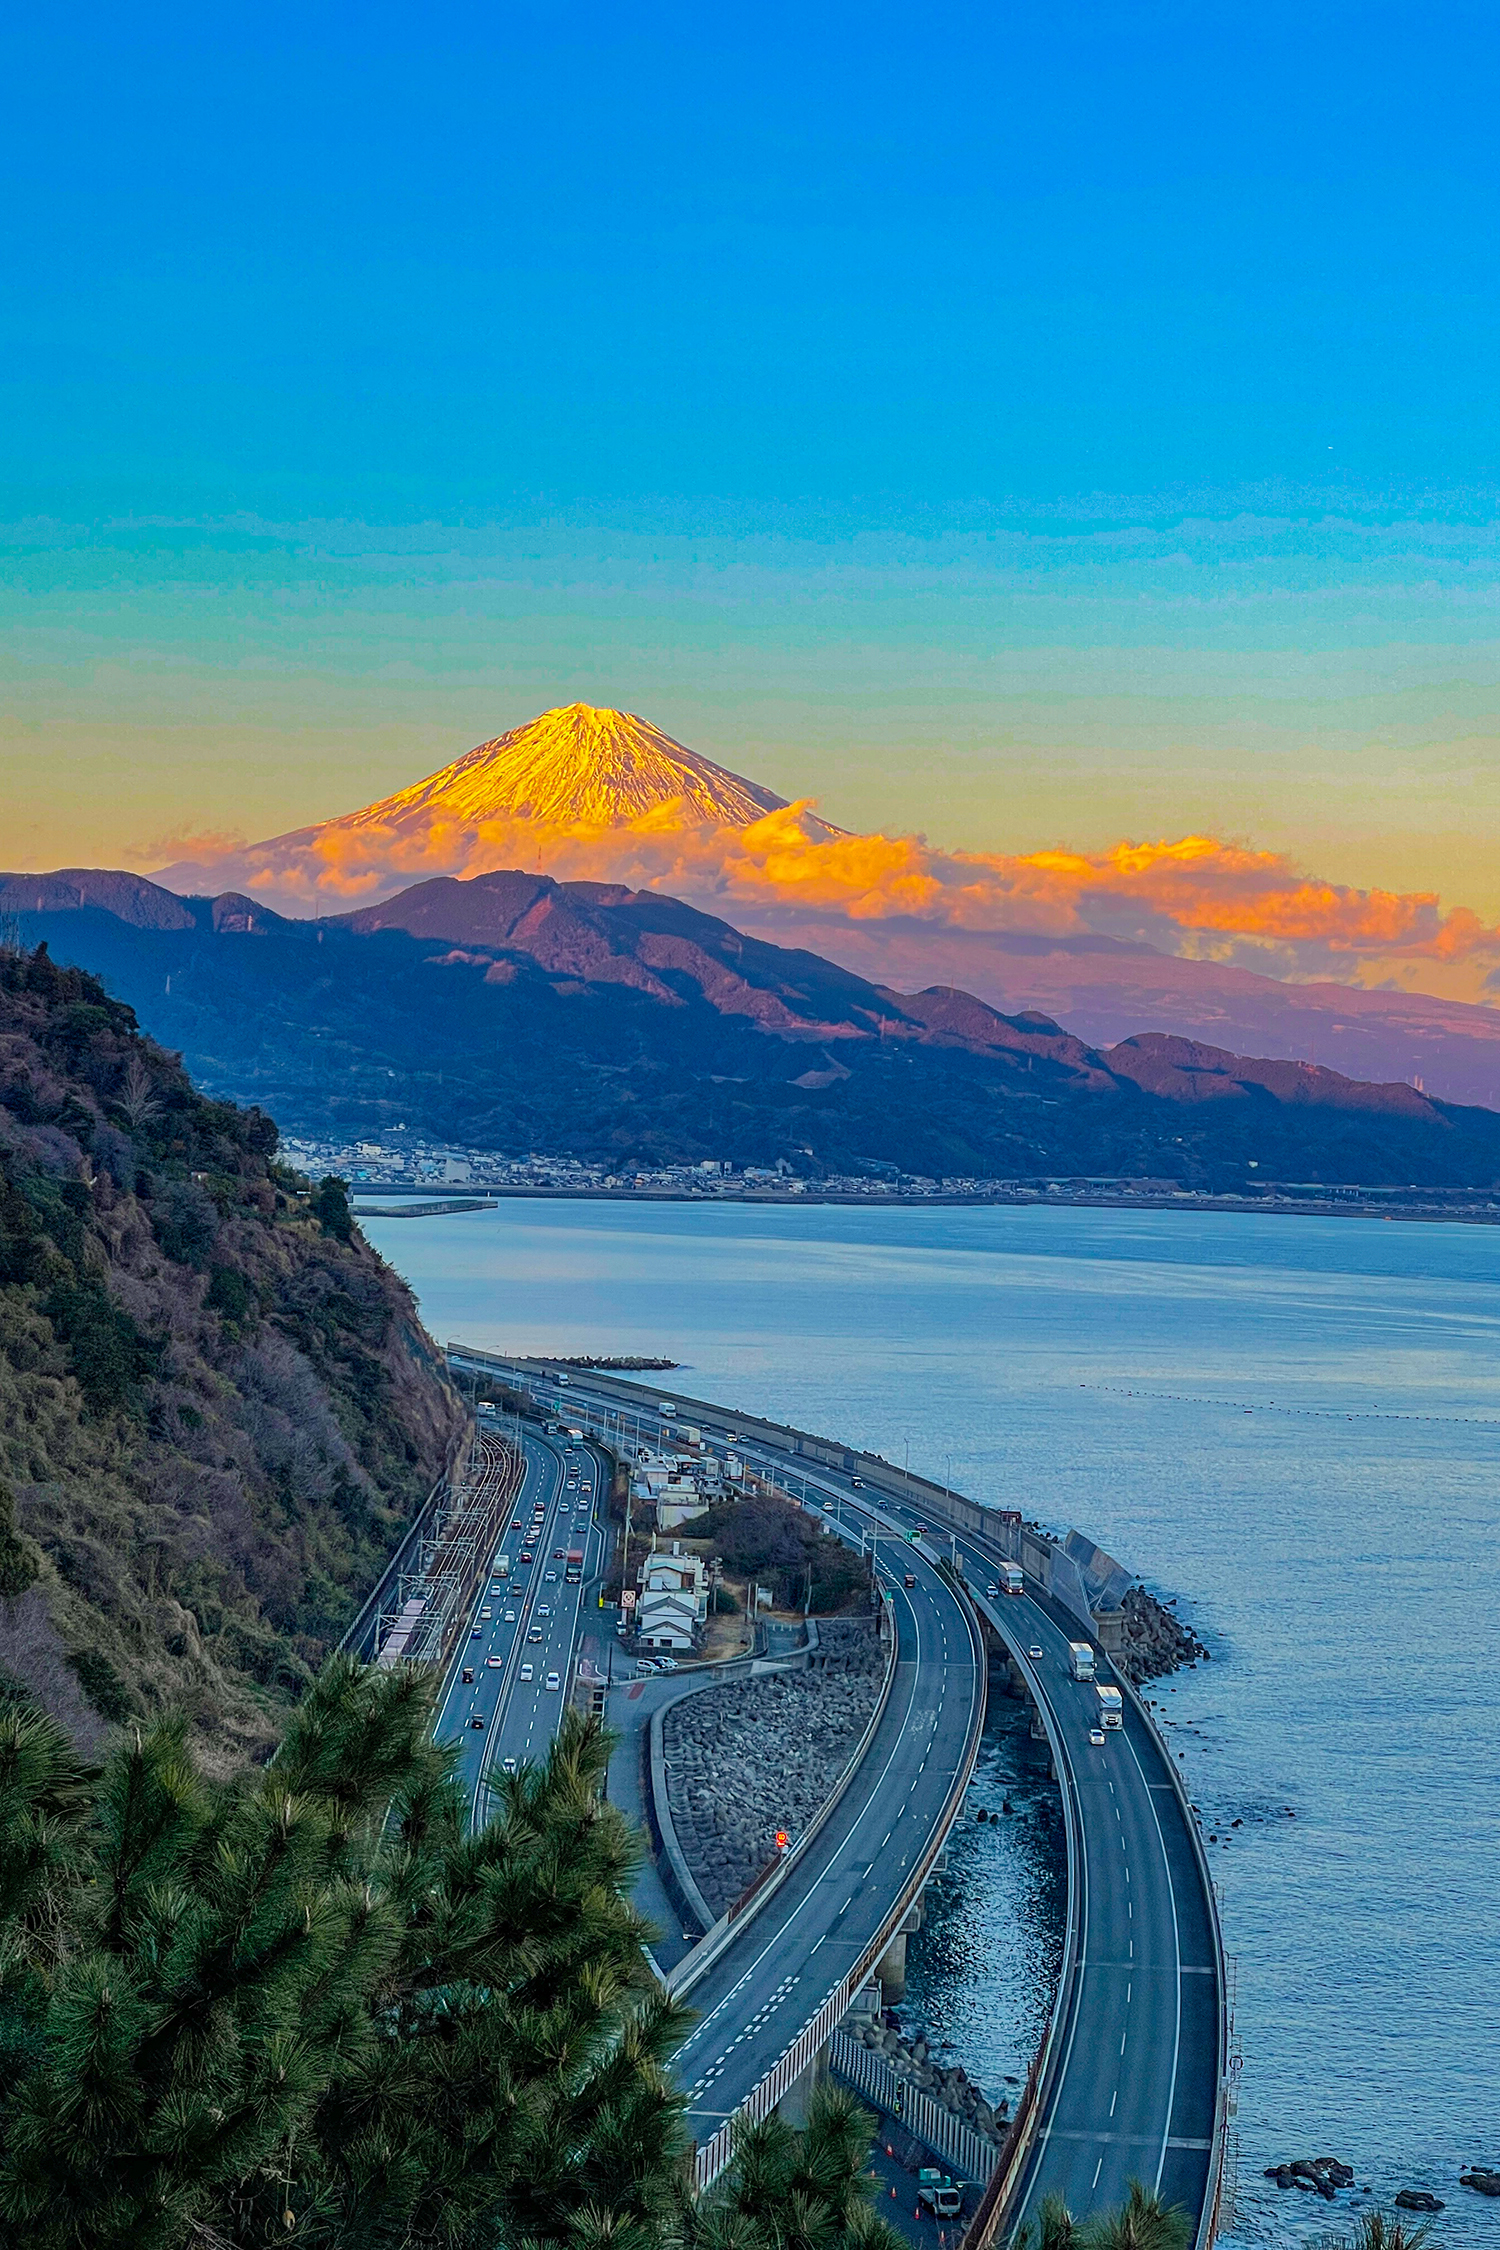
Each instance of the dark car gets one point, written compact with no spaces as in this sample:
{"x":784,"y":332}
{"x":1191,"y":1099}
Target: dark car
{"x":468,"y":1675}
{"x":477,"y":1723}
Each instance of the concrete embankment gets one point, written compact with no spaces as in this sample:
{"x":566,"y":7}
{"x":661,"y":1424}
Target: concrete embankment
{"x":754,"y":1756}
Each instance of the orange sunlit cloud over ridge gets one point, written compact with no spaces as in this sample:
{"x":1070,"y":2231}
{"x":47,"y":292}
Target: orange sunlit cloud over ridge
{"x":583,"y":794}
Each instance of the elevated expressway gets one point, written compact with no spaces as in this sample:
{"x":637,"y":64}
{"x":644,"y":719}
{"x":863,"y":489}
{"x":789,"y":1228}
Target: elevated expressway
{"x":1130,"y":2081}
{"x":770,"y":1987}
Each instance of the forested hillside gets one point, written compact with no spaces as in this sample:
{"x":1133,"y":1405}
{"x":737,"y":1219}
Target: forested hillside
{"x":217,"y":1405}
{"x":580,"y":1019}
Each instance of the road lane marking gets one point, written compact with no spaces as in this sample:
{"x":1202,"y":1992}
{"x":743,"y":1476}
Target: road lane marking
{"x":1177,"y":1956}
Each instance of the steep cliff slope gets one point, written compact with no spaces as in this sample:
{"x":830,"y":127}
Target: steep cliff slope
{"x":217,"y":1406}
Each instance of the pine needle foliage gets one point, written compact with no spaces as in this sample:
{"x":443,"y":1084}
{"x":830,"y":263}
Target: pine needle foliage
{"x":786,"y":2190}
{"x":314,"y":2005}
{"x":1141,"y":2222}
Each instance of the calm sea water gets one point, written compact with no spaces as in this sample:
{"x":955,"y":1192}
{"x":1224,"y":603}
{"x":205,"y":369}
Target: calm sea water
{"x":1293,"y":1425}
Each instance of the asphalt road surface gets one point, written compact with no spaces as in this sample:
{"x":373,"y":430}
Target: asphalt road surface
{"x":524,"y":1628}
{"x":760,"y":1993}
{"x":1134,"y":2093}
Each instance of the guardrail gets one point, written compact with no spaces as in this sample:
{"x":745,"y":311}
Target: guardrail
{"x":710,"y":2159}
{"x":723,"y":1932}
{"x":995,"y":2201}
{"x":1208,"y":2220}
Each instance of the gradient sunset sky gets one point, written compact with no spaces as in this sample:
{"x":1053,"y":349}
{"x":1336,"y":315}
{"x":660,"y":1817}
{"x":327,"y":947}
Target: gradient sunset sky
{"x":1028,"y":426}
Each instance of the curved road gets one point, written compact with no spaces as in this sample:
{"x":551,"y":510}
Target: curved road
{"x":767,"y":1987}
{"x":1133,"y":2082}
{"x":1134,"y":2091}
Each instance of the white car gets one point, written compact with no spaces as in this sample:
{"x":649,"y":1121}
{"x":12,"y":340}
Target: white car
{"x":528,"y":1672}
{"x":509,"y":1764}
{"x":1096,"y":1737}
{"x":509,"y":1617}
{"x":543,"y":1609}
{"x":494,"y":1662}
{"x":549,"y":1577}
{"x":486,"y":1614}
{"x":554,"y":1680}
{"x":666,"y":1664}
{"x":646,"y":1664}
{"x":1034,"y":1653}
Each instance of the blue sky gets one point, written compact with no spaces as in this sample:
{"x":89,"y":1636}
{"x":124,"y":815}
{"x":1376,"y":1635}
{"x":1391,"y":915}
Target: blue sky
{"x":1026,"y":424}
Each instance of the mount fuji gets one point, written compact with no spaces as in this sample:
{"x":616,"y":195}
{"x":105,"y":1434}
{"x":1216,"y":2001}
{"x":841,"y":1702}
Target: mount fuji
{"x":1107,"y":945}
{"x":577,"y":772}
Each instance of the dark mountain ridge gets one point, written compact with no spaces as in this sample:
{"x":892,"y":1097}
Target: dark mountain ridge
{"x":515,"y":1012}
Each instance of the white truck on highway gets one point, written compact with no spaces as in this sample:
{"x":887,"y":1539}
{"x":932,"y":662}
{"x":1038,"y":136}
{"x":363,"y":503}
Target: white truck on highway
{"x":1081,"y":1660}
{"x":1111,"y":1706}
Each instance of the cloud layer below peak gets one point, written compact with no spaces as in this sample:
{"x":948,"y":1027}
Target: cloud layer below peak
{"x":1196,"y":896}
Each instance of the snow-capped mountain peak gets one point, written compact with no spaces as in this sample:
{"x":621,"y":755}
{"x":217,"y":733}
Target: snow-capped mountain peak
{"x":579,"y":767}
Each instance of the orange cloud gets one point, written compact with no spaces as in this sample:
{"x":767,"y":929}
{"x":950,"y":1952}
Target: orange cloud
{"x":1194,"y":894}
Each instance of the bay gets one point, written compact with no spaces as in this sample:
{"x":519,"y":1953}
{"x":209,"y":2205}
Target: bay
{"x":1291,"y":1424}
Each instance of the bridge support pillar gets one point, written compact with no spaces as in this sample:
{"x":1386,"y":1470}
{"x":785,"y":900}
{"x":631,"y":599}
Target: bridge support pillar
{"x":892,"y":1970}
{"x":797,"y":2100}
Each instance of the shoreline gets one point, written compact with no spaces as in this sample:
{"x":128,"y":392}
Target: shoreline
{"x":459,"y":1200}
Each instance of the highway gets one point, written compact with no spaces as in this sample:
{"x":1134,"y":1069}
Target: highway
{"x":760,"y":1992}
{"x":1134,"y":2090}
{"x":1134,"y":2061}
{"x":522,"y":1636}
{"x":1136,"y":2085}
{"x":768,"y":1986}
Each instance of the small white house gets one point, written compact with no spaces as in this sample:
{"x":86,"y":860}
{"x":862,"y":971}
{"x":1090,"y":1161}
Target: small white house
{"x":665,"y":1620}
{"x":673,"y":1602}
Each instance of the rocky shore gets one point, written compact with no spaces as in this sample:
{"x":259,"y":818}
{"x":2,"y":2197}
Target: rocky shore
{"x":912,"y":2059}
{"x":1155,"y":1641}
{"x":1315,"y":2175}
{"x":1325,"y":2175}
{"x":754,"y":1756}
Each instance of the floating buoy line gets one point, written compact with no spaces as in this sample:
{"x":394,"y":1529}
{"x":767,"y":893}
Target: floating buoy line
{"x":1301,"y":1413}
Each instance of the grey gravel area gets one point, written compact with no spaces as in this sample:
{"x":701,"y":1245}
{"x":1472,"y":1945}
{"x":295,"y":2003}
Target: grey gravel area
{"x":756,"y":1755}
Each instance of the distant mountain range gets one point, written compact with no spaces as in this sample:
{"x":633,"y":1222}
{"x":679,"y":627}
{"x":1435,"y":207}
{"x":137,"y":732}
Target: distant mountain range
{"x":1102,"y":944}
{"x":518,"y":1013}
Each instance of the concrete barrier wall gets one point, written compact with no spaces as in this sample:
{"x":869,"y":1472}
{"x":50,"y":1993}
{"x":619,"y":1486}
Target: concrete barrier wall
{"x":967,"y":2153}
